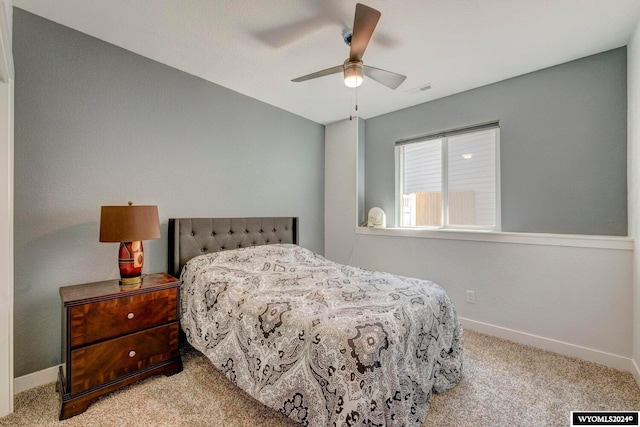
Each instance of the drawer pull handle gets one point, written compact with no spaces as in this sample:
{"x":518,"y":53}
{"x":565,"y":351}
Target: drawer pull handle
{"x":132,"y":353}
{"x":130,"y":316}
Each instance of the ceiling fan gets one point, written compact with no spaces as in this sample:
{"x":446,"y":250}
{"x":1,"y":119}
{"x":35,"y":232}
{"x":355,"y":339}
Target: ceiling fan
{"x":364,"y":22}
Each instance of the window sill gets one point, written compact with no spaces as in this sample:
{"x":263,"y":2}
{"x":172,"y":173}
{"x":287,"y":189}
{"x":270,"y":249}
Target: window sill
{"x":571,"y":240}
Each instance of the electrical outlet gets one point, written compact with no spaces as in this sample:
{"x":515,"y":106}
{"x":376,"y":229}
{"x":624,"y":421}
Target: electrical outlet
{"x":471,"y":297}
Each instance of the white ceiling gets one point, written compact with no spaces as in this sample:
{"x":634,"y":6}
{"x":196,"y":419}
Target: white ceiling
{"x":256,"y":47}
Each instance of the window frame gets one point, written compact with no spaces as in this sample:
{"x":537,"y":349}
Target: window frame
{"x":444,"y":177}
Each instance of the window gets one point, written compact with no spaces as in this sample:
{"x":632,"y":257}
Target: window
{"x":450,"y":179}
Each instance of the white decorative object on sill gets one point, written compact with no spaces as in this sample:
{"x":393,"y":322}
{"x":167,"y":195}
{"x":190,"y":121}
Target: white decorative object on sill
{"x":377,"y":218}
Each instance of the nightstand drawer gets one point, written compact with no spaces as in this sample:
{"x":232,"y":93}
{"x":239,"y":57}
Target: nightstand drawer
{"x":100,"y":363}
{"x":98,"y":321}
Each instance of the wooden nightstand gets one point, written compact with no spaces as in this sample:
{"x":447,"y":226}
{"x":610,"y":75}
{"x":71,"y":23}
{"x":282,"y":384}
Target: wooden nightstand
{"x":113,"y":337}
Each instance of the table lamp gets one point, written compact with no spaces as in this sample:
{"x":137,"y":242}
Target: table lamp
{"x":129,"y":225}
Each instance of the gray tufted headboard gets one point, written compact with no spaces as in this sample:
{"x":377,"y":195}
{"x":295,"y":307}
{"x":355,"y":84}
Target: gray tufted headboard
{"x":190,"y":237}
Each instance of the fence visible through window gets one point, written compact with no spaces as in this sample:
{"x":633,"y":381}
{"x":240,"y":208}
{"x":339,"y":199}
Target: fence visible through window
{"x":463,"y":167}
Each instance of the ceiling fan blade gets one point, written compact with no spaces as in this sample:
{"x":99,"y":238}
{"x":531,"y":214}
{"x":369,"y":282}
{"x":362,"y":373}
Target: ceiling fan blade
{"x":387,"y":78}
{"x":364,"y":23}
{"x":278,"y":37}
{"x":328,"y":71}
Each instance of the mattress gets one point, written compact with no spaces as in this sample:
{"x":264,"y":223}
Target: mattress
{"x":323,"y":343}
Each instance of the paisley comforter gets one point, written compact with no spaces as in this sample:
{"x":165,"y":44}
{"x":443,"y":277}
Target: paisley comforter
{"x":323,"y":343}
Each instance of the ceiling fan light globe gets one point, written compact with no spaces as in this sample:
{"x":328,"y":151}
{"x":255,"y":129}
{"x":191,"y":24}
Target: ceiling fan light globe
{"x":353,"y":76}
{"x":353,"y":81}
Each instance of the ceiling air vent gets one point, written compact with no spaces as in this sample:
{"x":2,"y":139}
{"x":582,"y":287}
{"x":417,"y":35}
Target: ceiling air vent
{"x":419,"y":89}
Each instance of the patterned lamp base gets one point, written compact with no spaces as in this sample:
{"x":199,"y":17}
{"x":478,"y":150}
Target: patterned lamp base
{"x":130,"y":261}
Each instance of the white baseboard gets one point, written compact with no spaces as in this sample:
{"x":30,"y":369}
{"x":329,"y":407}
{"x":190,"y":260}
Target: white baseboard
{"x":548,"y":344}
{"x":35,"y":379}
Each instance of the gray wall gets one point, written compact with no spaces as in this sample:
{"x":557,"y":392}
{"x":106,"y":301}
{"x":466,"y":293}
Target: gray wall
{"x":98,"y":125}
{"x":563,"y":136}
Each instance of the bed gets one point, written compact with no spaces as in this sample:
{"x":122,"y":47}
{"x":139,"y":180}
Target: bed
{"x":323,"y":343}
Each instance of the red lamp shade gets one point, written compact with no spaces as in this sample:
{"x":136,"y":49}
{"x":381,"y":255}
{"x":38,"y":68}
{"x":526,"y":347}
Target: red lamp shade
{"x":129,"y":225}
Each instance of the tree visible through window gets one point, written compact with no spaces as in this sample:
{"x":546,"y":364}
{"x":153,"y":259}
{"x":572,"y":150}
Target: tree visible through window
{"x":450,"y":180}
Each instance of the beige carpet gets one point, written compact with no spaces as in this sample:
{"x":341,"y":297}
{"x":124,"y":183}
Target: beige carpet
{"x":503,"y":384}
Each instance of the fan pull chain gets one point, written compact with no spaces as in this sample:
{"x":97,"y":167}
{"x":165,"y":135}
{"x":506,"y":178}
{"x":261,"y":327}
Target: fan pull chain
{"x":351,"y":103}
{"x":356,"y":98}
{"x":350,"y":106}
